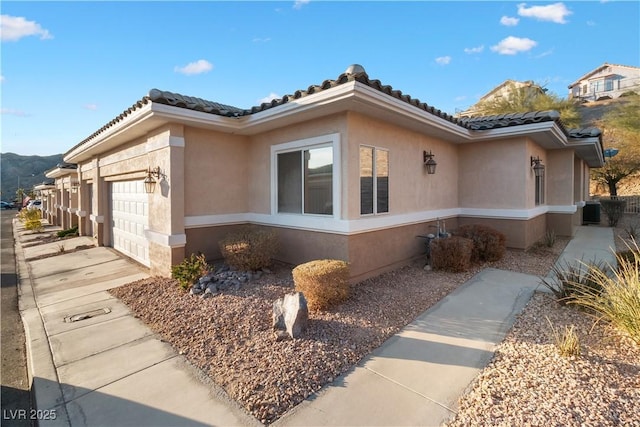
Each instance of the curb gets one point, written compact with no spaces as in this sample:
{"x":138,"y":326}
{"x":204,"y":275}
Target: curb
{"x":46,"y":393}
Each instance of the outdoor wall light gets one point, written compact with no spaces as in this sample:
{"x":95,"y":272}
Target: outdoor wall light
{"x":149,"y":181}
{"x":429,"y":163}
{"x":538,"y":167}
{"x":74,"y":185}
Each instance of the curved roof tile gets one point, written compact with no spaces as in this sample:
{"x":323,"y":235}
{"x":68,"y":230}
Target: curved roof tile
{"x":359,"y":75}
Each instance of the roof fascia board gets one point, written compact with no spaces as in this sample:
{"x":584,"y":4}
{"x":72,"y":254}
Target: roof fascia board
{"x":193,"y":117}
{"x":521,"y":130}
{"x":59,"y":172}
{"x":299,"y":105}
{"x":86,"y":149}
{"x":367,"y":93}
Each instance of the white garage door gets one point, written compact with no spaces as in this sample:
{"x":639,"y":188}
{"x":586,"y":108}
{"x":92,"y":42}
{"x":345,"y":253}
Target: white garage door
{"x":129,"y":219}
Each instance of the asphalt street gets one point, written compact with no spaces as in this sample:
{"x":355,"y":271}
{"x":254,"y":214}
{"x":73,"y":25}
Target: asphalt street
{"x":15,"y":393}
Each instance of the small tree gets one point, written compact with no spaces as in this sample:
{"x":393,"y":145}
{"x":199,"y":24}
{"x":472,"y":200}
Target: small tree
{"x":621,"y":130}
{"x":530,"y":98}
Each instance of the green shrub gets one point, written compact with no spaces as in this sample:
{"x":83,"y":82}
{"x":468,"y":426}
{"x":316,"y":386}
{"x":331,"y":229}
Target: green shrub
{"x":488,"y":243}
{"x":249,"y":249}
{"x":567,"y":342}
{"x":570,"y":278}
{"x":324,"y":283}
{"x":68,"y":232}
{"x":190,"y":270}
{"x":451,"y":254}
{"x":614,"y":209}
{"x":619,"y":301}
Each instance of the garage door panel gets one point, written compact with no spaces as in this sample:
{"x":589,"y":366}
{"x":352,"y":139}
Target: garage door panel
{"x":130,"y":218}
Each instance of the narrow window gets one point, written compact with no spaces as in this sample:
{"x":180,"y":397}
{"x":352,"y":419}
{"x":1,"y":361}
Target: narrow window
{"x":374,"y":180}
{"x":540,"y":190}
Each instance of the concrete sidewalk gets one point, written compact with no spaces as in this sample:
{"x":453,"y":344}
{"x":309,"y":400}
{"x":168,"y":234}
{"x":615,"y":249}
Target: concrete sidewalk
{"x":107,"y":368}
{"x":91,"y":362}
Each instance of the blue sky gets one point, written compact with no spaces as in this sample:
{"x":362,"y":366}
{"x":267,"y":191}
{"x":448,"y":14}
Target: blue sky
{"x":70,"y":67}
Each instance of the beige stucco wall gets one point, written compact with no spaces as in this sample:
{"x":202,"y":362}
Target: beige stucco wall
{"x":216,"y":172}
{"x":492,"y":175}
{"x":259,"y":172}
{"x":559,"y":176}
{"x":520,"y":234}
{"x":411,"y":189}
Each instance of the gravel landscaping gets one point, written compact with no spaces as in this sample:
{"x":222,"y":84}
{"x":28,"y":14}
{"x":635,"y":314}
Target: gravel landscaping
{"x":230,"y":339}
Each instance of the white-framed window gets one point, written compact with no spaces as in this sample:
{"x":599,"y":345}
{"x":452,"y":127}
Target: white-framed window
{"x":305,"y":176}
{"x":374,"y":180}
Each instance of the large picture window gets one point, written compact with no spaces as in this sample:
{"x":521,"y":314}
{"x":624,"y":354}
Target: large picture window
{"x":374,"y":180}
{"x":305,"y":181}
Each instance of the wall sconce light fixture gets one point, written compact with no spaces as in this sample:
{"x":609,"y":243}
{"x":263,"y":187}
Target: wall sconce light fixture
{"x":149,"y":181}
{"x":74,"y":185}
{"x":429,"y":163}
{"x":538,"y":167}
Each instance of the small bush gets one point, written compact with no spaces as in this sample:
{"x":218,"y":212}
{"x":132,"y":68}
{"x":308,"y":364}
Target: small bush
{"x":324,"y":283}
{"x":73,"y":231}
{"x":567,"y":342}
{"x":190,"y":270}
{"x":451,"y":254}
{"x":569,"y":279}
{"x":549,"y":238}
{"x":249,"y":249}
{"x":31,"y":219}
{"x":488,"y":243}
{"x":614,"y":209}
{"x":619,"y":301}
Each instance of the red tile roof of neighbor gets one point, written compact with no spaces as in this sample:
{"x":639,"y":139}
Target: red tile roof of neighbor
{"x":353,"y":73}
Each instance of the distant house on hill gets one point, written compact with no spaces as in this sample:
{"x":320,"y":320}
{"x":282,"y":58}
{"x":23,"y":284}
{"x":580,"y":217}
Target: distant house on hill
{"x":608,"y":81}
{"x":503,"y":90}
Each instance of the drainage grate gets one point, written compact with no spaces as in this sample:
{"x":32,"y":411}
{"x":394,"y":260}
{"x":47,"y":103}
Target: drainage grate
{"x":87,"y":315}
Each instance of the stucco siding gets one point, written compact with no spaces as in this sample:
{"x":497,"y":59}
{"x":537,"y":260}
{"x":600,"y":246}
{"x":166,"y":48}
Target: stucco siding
{"x":559,"y":176}
{"x":411,"y":189}
{"x":215,"y":172}
{"x":492,"y":175}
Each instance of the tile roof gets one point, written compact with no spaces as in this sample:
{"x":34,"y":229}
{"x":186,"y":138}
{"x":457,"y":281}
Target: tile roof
{"x":353,"y":73}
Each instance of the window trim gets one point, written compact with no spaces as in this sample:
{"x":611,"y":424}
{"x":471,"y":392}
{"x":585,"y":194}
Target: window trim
{"x":330,"y":140}
{"x":375,"y":181}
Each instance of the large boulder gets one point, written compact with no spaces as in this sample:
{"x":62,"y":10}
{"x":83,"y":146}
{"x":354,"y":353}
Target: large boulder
{"x":290,"y":316}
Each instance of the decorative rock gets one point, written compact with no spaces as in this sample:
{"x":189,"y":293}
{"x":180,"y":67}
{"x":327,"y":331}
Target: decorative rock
{"x":195,"y":290}
{"x":290,"y":315}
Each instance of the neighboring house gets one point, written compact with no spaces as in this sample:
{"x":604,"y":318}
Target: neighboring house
{"x":60,"y":200}
{"x":338,"y":170}
{"x":608,"y":81}
{"x":503,"y":90}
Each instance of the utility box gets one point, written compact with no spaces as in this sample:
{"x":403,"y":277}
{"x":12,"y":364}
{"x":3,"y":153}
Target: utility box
{"x":591,"y":213}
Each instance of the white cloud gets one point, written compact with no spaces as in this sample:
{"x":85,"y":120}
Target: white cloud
{"x":1,"y":78}
{"x":198,"y":67}
{"x":512,"y":45}
{"x":591,"y":23}
{"x":269,"y":98}
{"x":443,"y":60}
{"x":556,"y":12}
{"x":261,"y":40}
{"x":509,"y":21}
{"x":13,"y":112}
{"x":297,"y":4}
{"x":13,"y":28}
{"x":460,"y":98}
{"x":92,"y":107}
{"x":477,"y":49}
{"x":546,"y":53}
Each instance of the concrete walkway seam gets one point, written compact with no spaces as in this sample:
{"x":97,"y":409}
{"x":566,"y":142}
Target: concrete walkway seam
{"x":41,"y":370}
